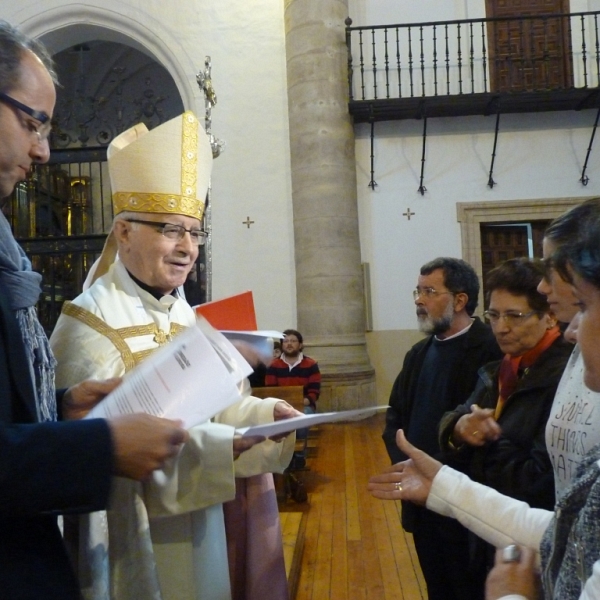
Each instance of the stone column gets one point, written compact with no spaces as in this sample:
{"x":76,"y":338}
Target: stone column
{"x":331,"y":312}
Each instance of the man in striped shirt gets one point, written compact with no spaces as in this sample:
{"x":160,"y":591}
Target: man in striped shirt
{"x":294,"y":368}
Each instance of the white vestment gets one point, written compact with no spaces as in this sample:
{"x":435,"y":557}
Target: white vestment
{"x":163,"y":539}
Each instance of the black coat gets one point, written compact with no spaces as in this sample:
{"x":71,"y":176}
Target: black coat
{"x":517,"y":464}
{"x":479,"y":347}
{"x":45,"y":469}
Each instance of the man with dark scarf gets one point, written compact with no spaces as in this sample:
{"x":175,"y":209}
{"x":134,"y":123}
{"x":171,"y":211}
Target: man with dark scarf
{"x":47,"y":467}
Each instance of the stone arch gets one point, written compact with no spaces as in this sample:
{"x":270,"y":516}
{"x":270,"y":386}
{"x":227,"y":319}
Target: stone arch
{"x":64,"y":26}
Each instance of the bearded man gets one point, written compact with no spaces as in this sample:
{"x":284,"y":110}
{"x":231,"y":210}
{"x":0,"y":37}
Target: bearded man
{"x":438,"y":374}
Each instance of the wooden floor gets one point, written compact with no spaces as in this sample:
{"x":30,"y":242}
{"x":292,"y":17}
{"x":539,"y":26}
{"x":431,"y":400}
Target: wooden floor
{"x":354,"y":545}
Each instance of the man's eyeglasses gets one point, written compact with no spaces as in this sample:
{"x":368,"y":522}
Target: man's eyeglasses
{"x":174,"y":232}
{"x":427,"y":292}
{"x":42,"y":131}
{"x":510,"y":317}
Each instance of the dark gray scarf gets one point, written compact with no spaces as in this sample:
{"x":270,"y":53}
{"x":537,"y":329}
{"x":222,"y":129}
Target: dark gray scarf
{"x":21,"y":286}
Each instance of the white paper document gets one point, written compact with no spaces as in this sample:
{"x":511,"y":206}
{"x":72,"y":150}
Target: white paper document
{"x":286,"y":425}
{"x":192,"y":378}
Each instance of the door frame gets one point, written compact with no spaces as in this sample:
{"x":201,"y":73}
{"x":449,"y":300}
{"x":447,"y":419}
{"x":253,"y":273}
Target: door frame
{"x":471,"y":214}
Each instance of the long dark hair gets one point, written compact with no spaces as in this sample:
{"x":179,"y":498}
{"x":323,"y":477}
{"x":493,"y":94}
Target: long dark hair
{"x":580,"y":250}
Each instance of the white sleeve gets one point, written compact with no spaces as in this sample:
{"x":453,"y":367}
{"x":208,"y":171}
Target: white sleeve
{"x":268,"y":456}
{"x":201,"y":474}
{"x":498,"y":519}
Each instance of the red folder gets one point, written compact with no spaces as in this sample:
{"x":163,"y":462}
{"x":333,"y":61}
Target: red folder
{"x":235,"y":313}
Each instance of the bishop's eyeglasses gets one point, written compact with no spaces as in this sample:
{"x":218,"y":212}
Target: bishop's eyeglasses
{"x":173,"y":231}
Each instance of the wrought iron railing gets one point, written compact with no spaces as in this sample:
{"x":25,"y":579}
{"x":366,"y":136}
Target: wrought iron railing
{"x":474,"y":56}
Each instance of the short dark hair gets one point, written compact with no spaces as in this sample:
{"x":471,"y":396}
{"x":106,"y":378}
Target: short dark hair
{"x":520,"y":277}
{"x":13,"y":44}
{"x":459,"y":277}
{"x":294,"y":332}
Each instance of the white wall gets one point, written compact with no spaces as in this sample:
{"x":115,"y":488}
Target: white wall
{"x":538,"y":156}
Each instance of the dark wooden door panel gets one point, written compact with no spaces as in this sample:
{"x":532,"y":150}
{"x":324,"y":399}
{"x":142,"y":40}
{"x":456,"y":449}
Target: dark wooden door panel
{"x":501,"y":242}
{"x":529,"y":54}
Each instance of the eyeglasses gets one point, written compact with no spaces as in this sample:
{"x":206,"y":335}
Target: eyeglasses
{"x":427,"y":292}
{"x":42,"y":131}
{"x":174,"y":232}
{"x":510,"y":317}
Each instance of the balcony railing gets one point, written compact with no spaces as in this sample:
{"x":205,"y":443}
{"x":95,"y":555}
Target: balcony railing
{"x":474,"y":66}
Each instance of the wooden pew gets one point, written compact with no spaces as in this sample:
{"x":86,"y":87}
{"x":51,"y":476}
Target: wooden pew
{"x":292,"y":394}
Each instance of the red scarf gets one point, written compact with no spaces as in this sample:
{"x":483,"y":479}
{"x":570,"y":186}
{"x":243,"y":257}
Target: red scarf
{"x":508,"y":376}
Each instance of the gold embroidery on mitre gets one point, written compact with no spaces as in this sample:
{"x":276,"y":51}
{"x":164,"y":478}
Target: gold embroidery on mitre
{"x":182,"y":201}
{"x":158,"y":203}
{"x":189,"y":154}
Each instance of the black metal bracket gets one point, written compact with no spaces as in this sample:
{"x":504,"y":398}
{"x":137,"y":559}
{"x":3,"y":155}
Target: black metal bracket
{"x":372,"y":183}
{"x":422,"y":189}
{"x":584,"y":178}
{"x":491,"y":183}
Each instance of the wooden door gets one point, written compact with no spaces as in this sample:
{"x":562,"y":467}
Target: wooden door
{"x":529,"y":54}
{"x":500,"y":242}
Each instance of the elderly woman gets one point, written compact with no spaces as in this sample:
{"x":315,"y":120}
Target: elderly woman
{"x":500,"y":430}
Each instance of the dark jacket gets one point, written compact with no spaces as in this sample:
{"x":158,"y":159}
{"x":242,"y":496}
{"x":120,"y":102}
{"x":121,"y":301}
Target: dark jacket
{"x":479,"y":348}
{"x":517,"y":464}
{"x":45,"y":469}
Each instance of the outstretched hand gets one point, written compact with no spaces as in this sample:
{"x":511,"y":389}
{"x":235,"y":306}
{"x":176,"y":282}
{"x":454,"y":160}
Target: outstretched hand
{"x":408,"y":480}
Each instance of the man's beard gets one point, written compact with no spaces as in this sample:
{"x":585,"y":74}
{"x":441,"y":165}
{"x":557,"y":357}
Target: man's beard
{"x":436,"y":326}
